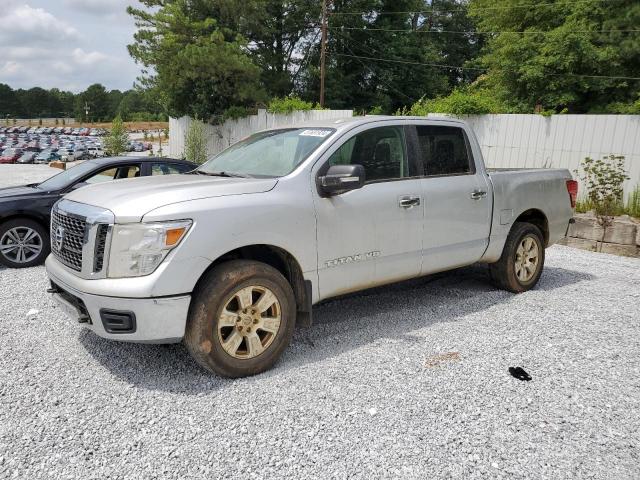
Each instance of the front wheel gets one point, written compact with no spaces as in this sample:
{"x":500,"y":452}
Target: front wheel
{"x":23,"y":243}
{"x":241,"y":318}
{"x":522,"y":260}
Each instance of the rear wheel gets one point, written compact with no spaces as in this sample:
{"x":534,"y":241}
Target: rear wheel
{"x":241,"y":318}
{"x":23,"y":243}
{"x":522,"y":260}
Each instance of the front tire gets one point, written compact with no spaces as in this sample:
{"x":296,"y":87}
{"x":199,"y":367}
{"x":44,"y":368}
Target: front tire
{"x":522,"y":260}
{"x":241,"y":319}
{"x":23,"y":243}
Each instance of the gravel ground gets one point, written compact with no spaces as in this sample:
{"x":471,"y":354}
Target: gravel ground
{"x":407,"y":381}
{"x":14,"y":175}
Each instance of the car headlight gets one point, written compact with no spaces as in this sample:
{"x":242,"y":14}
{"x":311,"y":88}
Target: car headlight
{"x":138,"y":248}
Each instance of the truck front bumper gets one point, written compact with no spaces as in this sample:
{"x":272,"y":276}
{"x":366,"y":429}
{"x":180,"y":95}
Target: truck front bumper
{"x":143,"y":320}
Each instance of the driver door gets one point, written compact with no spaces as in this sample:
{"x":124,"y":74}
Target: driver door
{"x":372,"y":235}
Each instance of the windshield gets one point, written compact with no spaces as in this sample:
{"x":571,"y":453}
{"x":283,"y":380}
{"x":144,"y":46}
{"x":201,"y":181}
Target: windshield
{"x":274,"y":153}
{"x":67,"y":177}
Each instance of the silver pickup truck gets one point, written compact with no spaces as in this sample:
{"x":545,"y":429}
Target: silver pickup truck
{"x":230,"y":257}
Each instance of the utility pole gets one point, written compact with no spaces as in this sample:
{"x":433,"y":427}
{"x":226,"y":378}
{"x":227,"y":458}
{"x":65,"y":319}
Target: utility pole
{"x":323,"y":50}
{"x":86,"y":111}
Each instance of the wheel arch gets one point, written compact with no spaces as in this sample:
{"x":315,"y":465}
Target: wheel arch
{"x":538,"y":218}
{"x":281,"y":260}
{"x":29,"y":216}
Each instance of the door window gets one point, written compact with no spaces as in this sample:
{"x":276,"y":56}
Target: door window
{"x":444,"y":150}
{"x":381,"y":151}
{"x":114,"y":173}
{"x":169,"y":169}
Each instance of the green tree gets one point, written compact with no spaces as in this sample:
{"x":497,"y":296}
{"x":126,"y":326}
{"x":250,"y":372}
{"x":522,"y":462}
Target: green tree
{"x":9,"y":102}
{"x":390,"y":59}
{"x":118,"y":139}
{"x":279,"y":33}
{"x":195,"y":142}
{"x":194,"y":55}
{"x":97,"y":99}
{"x":564,"y":55}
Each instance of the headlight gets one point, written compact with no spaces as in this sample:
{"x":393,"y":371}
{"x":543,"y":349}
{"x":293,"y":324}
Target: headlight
{"x":138,"y":248}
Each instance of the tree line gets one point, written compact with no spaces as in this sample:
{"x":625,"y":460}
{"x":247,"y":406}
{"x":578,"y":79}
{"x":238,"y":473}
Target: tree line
{"x":219,"y":58}
{"x":103,"y":105}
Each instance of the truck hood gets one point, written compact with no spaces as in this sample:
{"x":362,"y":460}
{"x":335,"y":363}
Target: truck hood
{"x":132,"y":198}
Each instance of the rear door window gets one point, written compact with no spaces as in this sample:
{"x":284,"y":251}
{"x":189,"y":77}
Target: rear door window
{"x":444,"y":150}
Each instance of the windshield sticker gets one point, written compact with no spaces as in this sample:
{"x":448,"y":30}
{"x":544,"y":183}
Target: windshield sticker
{"x":315,"y":133}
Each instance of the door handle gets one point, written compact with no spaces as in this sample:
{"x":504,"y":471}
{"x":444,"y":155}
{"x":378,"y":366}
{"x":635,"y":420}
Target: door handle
{"x":478,"y":194}
{"x":409,"y":202}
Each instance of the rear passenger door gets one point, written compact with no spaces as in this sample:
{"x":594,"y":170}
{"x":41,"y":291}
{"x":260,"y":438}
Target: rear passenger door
{"x":457,"y":202}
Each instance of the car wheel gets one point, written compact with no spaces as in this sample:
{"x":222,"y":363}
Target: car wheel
{"x":23,"y":243}
{"x":241,"y":318}
{"x":522,"y":260}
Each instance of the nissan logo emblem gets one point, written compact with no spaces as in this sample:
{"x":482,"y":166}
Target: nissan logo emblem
{"x":59,"y":237}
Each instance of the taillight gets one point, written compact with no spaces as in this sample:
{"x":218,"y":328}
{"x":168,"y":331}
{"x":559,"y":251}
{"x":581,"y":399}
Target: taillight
{"x":572,"y":188}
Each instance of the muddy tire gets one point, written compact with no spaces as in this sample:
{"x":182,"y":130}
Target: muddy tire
{"x":23,"y":243}
{"x":522,"y":260}
{"x":241,"y":318}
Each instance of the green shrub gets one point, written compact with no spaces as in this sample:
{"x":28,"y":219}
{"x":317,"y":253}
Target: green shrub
{"x":459,"y":102}
{"x":289,"y":105}
{"x":604,"y":179}
{"x":117,"y":141}
{"x":234,"y":113}
{"x":195,"y":142}
{"x":633,"y":203}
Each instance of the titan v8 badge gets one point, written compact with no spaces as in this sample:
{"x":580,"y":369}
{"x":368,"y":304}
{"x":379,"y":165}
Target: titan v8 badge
{"x":358,"y":257}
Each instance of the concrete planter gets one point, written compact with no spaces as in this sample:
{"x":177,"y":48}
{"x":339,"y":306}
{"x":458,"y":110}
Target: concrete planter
{"x":621,"y":238}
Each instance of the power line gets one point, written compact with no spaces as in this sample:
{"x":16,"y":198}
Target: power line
{"x":474,"y":32}
{"x":462,"y":8}
{"x":435,"y":65}
{"x":344,"y":37}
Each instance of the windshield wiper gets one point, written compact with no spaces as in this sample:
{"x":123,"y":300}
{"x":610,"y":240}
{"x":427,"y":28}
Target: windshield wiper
{"x":222,"y":174}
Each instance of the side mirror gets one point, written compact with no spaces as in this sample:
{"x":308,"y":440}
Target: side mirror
{"x":340,"y":179}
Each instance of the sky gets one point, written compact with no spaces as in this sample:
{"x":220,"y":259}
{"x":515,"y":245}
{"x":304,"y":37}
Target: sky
{"x":68,"y":44}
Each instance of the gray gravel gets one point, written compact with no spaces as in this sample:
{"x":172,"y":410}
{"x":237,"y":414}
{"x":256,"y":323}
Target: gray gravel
{"x":15,"y":175}
{"x":408,"y":381}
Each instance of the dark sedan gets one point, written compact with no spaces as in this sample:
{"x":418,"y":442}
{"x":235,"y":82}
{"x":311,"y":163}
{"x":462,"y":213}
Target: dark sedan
{"x":25,"y":211}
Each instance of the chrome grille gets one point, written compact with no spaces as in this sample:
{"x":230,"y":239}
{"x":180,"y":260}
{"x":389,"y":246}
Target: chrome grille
{"x":69,"y":249}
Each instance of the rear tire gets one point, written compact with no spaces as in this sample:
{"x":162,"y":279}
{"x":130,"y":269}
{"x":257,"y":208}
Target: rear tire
{"x":241,"y":318}
{"x":522,"y":259}
{"x":23,"y":243}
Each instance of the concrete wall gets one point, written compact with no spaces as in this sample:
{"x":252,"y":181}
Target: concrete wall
{"x":220,"y":137}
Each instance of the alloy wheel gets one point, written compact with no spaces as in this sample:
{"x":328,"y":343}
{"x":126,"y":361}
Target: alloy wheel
{"x":21,"y":244}
{"x":249,"y":322}
{"x":527,"y":258}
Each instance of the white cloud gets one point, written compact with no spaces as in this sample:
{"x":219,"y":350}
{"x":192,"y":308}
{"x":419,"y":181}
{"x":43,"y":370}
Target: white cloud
{"x":23,"y":22}
{"x":98,"y":7}
{"x":47,"y":50}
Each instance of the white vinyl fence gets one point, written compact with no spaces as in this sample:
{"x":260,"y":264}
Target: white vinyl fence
{"x":559,"y":141}
{"x":220,"y":137}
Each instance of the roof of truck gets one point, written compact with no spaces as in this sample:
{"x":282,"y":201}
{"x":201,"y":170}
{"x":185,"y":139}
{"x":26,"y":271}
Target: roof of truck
{"x":351,"y":122}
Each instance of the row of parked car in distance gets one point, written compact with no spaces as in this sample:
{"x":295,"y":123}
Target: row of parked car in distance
{"x":82,"y":131}
{"x":34,"y":147}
